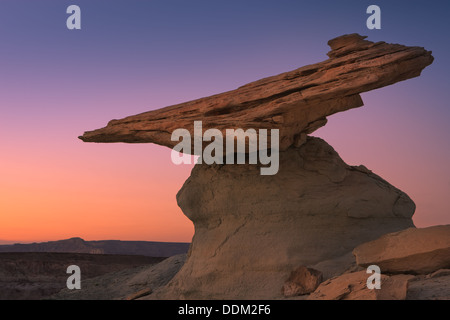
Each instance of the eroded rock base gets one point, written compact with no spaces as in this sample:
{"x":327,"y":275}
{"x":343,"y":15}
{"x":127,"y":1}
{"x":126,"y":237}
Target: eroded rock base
{"x":251,"y":231}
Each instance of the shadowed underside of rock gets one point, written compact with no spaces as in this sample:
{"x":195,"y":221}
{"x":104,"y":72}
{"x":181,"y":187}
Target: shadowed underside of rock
{"x":296,"y":102}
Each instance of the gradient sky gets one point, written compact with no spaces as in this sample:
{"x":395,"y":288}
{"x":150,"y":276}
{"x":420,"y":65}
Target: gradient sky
{"x":135,"y":56}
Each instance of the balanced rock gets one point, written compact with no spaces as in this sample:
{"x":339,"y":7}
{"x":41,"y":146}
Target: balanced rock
{"x":251,"y":231}
{"x":417,"y":251}
{"x":296,"y":102}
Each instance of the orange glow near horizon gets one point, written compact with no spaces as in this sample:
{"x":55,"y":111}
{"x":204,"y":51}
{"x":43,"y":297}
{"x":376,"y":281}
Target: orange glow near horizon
{"x":66,"y":188}
{"x":129,"y":197}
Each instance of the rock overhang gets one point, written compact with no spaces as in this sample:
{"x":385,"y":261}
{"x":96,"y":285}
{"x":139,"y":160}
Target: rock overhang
{"x":297,"y":102}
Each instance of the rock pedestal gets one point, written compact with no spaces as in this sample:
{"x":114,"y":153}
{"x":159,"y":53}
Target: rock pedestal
{"x":251,"y":231}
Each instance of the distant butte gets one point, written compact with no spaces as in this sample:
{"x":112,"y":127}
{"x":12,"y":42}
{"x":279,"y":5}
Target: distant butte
{"x":296,"y":102}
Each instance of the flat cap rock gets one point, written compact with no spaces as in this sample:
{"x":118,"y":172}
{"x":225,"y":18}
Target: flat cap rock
{"x":296,"y":102}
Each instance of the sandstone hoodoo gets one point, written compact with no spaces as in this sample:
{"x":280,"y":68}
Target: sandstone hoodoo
{"x":251,"y":230}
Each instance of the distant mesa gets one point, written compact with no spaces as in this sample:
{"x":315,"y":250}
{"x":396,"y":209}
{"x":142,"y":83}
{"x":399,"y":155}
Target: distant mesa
{"x":78,"y":245}
{"x":6,"y":242}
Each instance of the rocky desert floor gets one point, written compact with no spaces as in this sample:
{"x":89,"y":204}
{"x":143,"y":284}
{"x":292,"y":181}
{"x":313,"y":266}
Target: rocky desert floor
{"x":414,"y":264}
{"x":36,"y":275}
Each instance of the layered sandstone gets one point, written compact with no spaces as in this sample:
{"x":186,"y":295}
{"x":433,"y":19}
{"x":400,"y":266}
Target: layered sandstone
{"x":353,"y":286}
